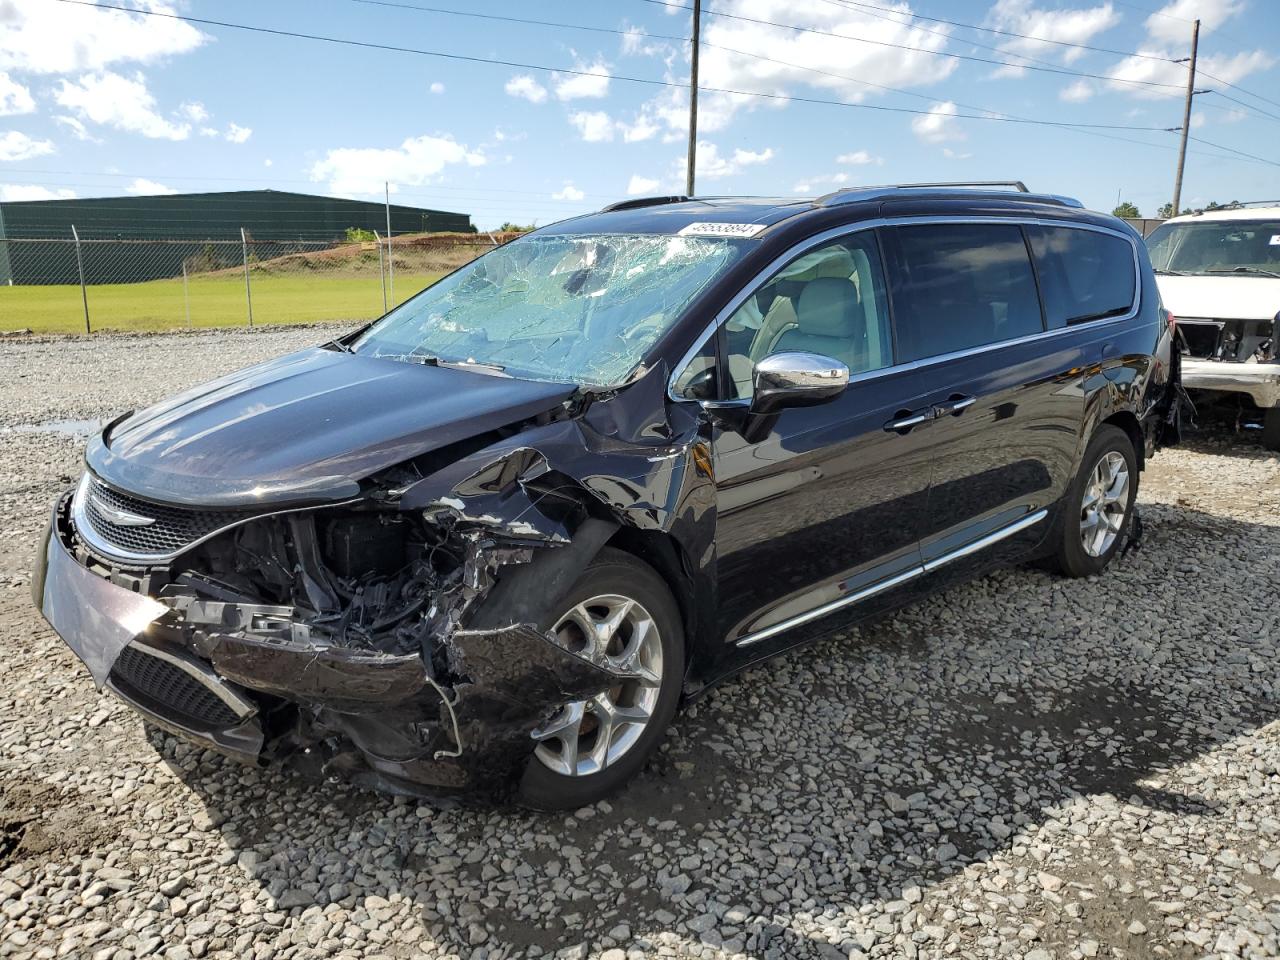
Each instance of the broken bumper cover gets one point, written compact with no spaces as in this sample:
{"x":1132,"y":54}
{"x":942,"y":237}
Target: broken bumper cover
{"x":1261,"y":381}
{"x":373,"y":718}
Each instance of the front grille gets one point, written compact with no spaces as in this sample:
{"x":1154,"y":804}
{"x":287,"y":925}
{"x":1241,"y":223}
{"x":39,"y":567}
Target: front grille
{"x":170,"y":692}
{"x":171,"y":528}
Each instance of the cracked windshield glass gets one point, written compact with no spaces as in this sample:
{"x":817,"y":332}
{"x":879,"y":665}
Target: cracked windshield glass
{"x":568,"y":308}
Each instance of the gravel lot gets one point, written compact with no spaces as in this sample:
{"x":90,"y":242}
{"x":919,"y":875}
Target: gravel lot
{"x":1023,"y":767}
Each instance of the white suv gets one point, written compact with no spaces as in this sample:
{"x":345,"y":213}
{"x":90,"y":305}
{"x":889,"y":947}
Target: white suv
{"x":1219,"y":274}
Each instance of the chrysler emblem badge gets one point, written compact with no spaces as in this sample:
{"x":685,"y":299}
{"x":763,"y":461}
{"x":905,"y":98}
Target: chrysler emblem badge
{"x":118,"y":517}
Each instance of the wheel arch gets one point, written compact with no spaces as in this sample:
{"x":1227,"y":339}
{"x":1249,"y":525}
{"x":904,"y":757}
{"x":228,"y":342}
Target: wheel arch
{"x":1127,"y":421}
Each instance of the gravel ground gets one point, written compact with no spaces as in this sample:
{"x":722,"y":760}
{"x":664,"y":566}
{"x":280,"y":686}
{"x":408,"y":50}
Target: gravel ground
{"x":1022,"y":767}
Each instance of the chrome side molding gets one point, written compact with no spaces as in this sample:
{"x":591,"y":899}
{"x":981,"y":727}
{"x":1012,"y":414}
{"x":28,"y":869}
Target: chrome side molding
{"x":897,"y":580}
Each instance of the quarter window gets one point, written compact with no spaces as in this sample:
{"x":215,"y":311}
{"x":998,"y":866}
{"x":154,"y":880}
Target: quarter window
{"x":1084,"y":275}
{"x":964,"y":285}
{"x":829,"y":301}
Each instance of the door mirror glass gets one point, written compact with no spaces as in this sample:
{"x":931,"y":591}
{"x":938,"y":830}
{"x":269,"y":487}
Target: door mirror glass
{"x":784,"y":380}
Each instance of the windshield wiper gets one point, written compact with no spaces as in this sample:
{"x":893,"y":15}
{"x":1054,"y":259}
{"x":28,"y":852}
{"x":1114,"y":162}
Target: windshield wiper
{"x":1255,"y":271}
{"x":477,"y":365}
{"x":1171,"y":273}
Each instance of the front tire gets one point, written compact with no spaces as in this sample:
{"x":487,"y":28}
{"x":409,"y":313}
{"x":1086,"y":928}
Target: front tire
{"x":619,"y":612}
{"x":1098,"y":505}
{"x":1271,"y":428}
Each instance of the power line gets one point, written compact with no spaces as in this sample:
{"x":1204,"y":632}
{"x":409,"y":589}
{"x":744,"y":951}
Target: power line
{"x":369,"y":45}
{"x":1004,"y":33}
{"x":1258,"y":96}
{"x":901,"y":46}
{"x":1241,"y":153}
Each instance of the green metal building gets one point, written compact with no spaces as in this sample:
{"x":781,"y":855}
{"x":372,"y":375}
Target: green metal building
{"x":168,"y":226}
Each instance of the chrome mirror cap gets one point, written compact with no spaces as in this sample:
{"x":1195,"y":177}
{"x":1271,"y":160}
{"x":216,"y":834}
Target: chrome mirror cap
{"x":796,"y":380}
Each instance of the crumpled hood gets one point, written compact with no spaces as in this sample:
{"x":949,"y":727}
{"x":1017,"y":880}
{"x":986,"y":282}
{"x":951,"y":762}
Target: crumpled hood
{"x":305,"y":428}
{"x":1239,"y":297}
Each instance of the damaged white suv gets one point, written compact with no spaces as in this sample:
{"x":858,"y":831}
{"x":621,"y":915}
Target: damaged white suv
{"x":1219,"y":274}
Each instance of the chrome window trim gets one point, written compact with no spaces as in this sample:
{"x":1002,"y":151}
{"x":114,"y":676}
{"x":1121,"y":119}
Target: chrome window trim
{"x":896,"y":580}
{"x":848,"y":230}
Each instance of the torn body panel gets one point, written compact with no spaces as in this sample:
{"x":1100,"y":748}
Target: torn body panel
{"x":401,"y":639}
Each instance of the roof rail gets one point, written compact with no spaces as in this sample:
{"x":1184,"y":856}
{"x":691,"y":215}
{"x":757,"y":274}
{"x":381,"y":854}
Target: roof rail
{"x":643,"y":202}
{"x":1017,"y":187}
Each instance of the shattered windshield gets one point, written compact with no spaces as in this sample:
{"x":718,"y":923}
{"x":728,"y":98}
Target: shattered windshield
{"x":1226,"y":246}
{"x":570,"y":308}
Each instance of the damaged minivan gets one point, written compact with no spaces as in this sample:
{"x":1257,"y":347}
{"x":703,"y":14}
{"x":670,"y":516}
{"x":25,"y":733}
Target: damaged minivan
{"x":492,"y":540}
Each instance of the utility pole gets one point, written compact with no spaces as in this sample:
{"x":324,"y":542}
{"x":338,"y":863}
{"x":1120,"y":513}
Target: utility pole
{"x":693,"y":102}
{"x":1186,"y":117}
{"x":391,"y":267}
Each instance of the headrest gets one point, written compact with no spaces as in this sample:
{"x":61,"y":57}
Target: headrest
{"x":829,"y":307}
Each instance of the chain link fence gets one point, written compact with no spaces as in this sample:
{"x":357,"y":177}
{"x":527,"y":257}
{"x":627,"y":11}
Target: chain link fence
{"x":81,"y":285}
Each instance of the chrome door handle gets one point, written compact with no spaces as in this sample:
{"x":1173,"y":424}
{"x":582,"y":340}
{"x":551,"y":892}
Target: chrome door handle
{"x":904,"y":423}
{"x":954,"y":406}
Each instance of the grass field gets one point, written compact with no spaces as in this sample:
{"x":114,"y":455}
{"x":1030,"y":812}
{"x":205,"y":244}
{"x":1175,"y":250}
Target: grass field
{"x":215,"y":301}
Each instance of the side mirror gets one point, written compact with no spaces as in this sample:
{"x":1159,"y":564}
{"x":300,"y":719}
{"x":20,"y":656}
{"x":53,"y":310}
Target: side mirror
{"x":785,"y":380}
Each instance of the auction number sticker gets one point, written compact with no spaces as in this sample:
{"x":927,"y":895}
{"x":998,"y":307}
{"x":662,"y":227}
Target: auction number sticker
{"x":722,"y":229}
{"x":1275,"y":240}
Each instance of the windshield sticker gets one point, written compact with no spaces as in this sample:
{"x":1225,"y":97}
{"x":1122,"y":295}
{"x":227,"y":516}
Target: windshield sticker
{"x":722,"y":229}
{"x":1275,"y":240}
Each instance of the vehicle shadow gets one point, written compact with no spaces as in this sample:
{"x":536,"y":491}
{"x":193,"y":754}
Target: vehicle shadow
{"x":977,"y":725}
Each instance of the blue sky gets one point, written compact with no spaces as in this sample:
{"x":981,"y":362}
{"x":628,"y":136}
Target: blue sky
{"x":100,"y":103}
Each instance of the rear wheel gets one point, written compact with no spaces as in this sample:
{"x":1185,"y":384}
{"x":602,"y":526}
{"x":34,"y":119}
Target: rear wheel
{"x":1271,"y":428}
{"x":1098,"y":504}
{"x":620,"y":614}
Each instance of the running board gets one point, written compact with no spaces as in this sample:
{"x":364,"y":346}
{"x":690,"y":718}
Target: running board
{"x":895,"y":581}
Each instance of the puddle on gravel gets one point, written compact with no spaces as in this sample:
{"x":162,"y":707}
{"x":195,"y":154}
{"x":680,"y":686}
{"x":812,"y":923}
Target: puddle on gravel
{"x":64,"y":428}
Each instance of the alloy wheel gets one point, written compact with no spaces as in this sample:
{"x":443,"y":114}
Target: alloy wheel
{"x":1105,"y":503}
{"x":586,"y":736}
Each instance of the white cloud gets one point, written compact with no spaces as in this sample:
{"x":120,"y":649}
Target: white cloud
{"x":1077,"y":92}
{"x":712,"y":166}
{"x":267,"y":162}
{"x":194,"y":111}
{"x":1172,"y":22}
{"x":568,"y":192}
{"x":143,"y":187}
{"x":802,"y":188}
{"x":639,"y":186}
{"x":594,"y":126}
{"x":78,"y":129}
{"x":938,"y":125}
{"x":437,"y":87}
{"x":16,"y":145}
{"x":732,"y":60}
{"x":859,"y":158}
{"x":17,"y":192}
{"x":570,"y":86}
{"x":238,"y":134}
{"x":210,"y":132}
{"x":14,"y":97}
{"x":954,"y":154}
{"x":40,"y":37}
{"x":416,"y":160}
{"x":1038,"y":26}
{"x":121,"y":102}
{"x":1173,"y":76}
{"x":524,"y":86}
{"x":644,"y":128}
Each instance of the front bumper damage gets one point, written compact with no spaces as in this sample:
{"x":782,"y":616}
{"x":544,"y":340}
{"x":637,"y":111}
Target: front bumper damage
{"x":251,"y":681}
{"x":428,"y":677}
{"x":1260,"y":381}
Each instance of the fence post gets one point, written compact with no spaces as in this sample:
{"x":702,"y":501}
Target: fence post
{"x":391,"y":264}
{"x":382,"y":271}
{"x":84,"y":294}
{"x":244,"y":254}
{"x":186,"y":295}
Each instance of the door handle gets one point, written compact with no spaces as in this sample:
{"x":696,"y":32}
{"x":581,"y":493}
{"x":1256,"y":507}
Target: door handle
{"x":954,"y":406}
{"x":905,"y":420}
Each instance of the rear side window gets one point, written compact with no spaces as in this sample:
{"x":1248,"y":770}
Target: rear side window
{"x":957,"y":286}
{"x":1084,"y":275}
